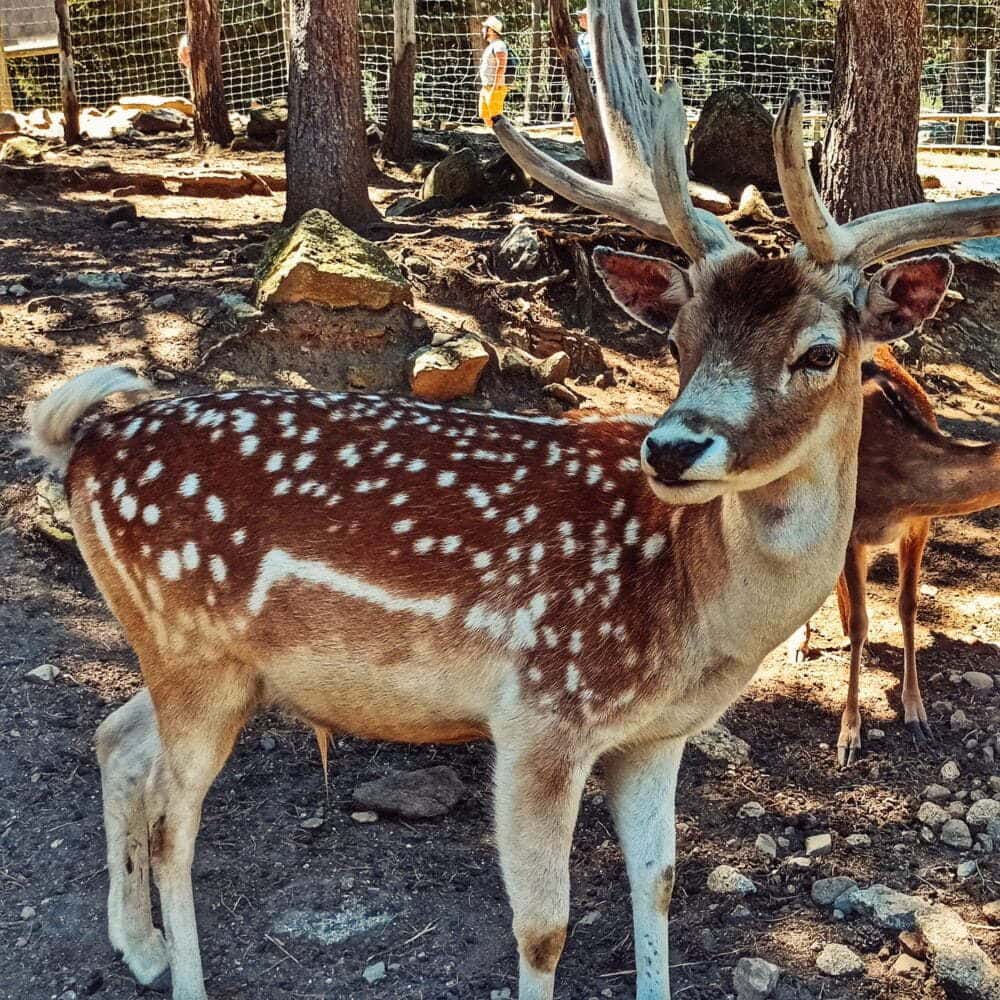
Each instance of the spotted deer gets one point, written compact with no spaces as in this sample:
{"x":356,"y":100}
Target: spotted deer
{"x":575,"y":590}
{"x":908,"y":474}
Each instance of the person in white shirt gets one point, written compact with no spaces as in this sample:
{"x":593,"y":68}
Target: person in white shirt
{"x":492,"y":71}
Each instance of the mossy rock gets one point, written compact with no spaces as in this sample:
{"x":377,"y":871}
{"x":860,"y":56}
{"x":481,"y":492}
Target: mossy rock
{"x":20,"y":151}
{"x":320,"y":260}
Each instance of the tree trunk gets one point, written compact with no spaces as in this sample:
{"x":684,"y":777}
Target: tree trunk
{"x":327,"y":157}
{"x":399,"y":116}
{"x":534,"y":81}
{"x":594,"y":147}
{"x":870,"y":152}
{"x":6,"y":97}
{"x":67,"y":77}
{"x":956,"y":93}
{"x":211,"y":117}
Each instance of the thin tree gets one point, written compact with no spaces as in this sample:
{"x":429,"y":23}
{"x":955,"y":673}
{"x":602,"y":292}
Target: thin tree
{"x":399,"y":118}
{"x":537,"y":65}
{"x":870,"y":152}
{"x":327,"y":158}
{"x":211,"y":116}
{"x":67,"y":76}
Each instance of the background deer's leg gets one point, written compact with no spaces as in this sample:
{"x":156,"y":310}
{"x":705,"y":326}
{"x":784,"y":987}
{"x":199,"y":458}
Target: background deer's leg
{"x":198,"y":726}
{"x":127,"y":743}
{"x":911,"y":554}
{"x":855,"y":577}
{"x":538,"y":789}
{"x":642,"y":782}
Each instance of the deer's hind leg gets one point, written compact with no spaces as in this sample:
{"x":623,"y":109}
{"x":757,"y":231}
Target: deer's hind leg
{"x":911,"y":554}
{"x":127,"y":743}
{"x":852,"y":598}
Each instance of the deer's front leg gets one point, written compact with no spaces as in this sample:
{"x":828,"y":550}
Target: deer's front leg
{"x":642,"y":783}
{"x":538,"y":789}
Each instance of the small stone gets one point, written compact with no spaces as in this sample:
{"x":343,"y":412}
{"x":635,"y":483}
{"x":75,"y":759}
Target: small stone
{"x":956,"y":809}
{"x":766,"y":845}
{"x":554,"y":368}
{"x":28,"y":913}
{"x":120,"y":227}
{"x":755,"y":979}
{"x":927,"y":835}
{"x":751,"y":810}
{"x":978,"y":681}
{"x":932,"y":815}
{"x":589,"y":918}
{"x":982,"y":812}
{"x":312,"y":823}
{"x":957,"y":961}
{"x":889,"y":908}
{"x":838,"y":960}
{"x":719,"y":744}
{"x":124,"y":212}
{"x":800,"y":863}
{"x":448,"y":371}
{"x":374,"y":973}
{"x":267,"y":743}
{"x":858,"y":841}
{"x":960,"y":722}
{"x":967,"y":869}
{"x":927,"y":589}
{"x":163,"y":301}
{"x":562,"y":394}
{"x":44,"y":674}
{"x":503,"y":994}
{"x":740,"y":913}
{"x":421,"y":794}
{"x":956,"y":834}
{"x":936,"y":793}
{"x":819,"y":845}
{"x":520,"y":250}
{"x":874,"y":735}
{"x":950,"y":771}
{"x":365,"y":817}
{"x":727,"y":881}
{"x":826,"y":891}
{"x":913,"y":943}
{"x":21,"y":151}
{"x":907,"y":965}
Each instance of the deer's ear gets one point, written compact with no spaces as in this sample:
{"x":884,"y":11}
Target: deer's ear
{"x":648,"y":288}
{"x":901,"y":296}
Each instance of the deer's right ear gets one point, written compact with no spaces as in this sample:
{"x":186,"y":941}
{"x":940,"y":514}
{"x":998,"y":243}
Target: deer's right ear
{"x":649,"y":289}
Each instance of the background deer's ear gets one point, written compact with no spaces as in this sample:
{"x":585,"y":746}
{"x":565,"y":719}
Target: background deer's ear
{"x":901,"y":296}
{"x":649,"y":289}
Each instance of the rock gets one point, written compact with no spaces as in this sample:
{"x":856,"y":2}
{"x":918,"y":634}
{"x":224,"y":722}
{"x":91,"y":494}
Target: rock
{"x":967,"y":869}
{"x":519,"y":252}
{"x":977,"y":680}
{"x":889,"y":908}
{"x":959,"y":963}
{"x":328,"y":928}
{"x":153,"y":102}
{"x":52,"y":517}
{"x":321,"y":261}
{"x":819,"y":845}
{"x":365,"y":817}
{"x":553,"y":369}
{"x":913,"y":942}
{"x":907,"y":965}
{"x":800,"y":863}
{"x":503,"y":994}
{"x":719,"y":744}
{"x":39,"y":118}
{"x":563,"y":394}
{"x":838,"y":960}
{"x":405,"y":206}
{"x":454,"y":178}
{"x":858,"y":841}
{"x":312,"y":823}
{"x":950,"y":771}
{"x":251,"y":253}
{"x":267,"y":743}
{"x":20,"y":151}
{"x":936,"y":793}
{"x":874,"y":735}
{"x":755,"y":979}
{"x":826,"y":891}
{"x":981,"y":813}
{"x":9,"y":123}
{"x":102,"y":281}
{"x":727,"y":881}
{"x":423,"y":794}
{"x":163,"y":301}
{"x":448,"y":371}
{"x":765,"y":844}
{"x":960,"y":722}
{"x":121,"y":227}
{"x":374,"y":973}
{"x":44,"y":674}
{"x":956,"y":809}
{"x":156,"y":121}
{"x":956,"y":834}
{"x":267,"y":122}
{"x":731,"y":145}
{"x":929,"y":182}
{"x":932,"y":815}
{"x":28,"y":913}
{"x":124,"y":212}
{"x":751,"y":810}
{"x":991,"y":911}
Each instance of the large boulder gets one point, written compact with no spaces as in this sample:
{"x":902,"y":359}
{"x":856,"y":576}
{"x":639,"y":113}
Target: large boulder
{"x":155,"y":121}
{"x":265,"y":123}
{"x":20,"y":151}
{"x":320,"y":260}
{"x":454,"y":178}
{"x":10,"y":124}
{"x":731,"y":145}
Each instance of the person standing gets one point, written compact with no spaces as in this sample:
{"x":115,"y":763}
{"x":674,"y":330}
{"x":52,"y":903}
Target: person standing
{"x":492,"y":71}
{"x":583,"y":39}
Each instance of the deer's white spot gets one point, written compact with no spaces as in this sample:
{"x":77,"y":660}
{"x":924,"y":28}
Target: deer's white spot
{"x":530,"y":513}
{"x":519,"y":473}
{"x":170,"y":565}
{"x":402,"y":527}
{"x":282,"y":486}
{"x":572,"y":468}
{"x":450,"y":543}
{"x":594,"y":473}
{"x":618,"y":508}
{"x":216,"y":509}
{"x":551,"y":636}
{"x":128,"y":507}
{"x":248,"y":445}
{"x":153,"y":426}
{"x":446,"y":478}
{"x":554,"y":453}
{"x":631,"y":535}
{"x":513,"y":526}
{"x":310,"y":436}
{"x":534,"y":675}
{"x":399,"y":499}
{"x":189,"y":485}
{"x":576,"y":642}
{"x":304,"y":461}
{"x":537,"y":552}
{"x":423,"y":545}
{"x":217,"y":568}
{"x":132,"y":428}
{"x":151,"y":514}
{"x":572,"y":677}
{"x":630,"y":464}
{"x":274,"y":462}
{"x":416,"y":465}
{"x":478,"y":496}
{"x":482,"y":559}
{"x":153,"y":470}
{"x":239,"y":536}
{"x":243,"y":421}
{"x":349,"y":455}
{"x":190,"y":557}
{"x":117,"y":488}
{"x":653,"y":546}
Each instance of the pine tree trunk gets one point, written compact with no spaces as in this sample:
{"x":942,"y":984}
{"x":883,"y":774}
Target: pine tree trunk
{"x":584,"y":104}
{"x":67,"y":76}
{"x":211,"y":117}
{"x":327,"y":157}
{"x":399,"y":116}
{"x":870,"y":154}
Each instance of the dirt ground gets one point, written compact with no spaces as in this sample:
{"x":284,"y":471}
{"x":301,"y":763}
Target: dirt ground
{"x":430,"y":892}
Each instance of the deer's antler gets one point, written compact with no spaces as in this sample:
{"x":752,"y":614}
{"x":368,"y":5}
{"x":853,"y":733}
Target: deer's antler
{"x":646,"y":134}
{"x":891,"y":233}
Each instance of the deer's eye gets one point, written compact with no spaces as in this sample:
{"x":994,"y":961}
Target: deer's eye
{"x":819,"y":357}
{"x":672,"y":347}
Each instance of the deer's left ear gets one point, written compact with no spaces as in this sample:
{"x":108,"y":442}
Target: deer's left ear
{"x":649,"y":289}
{"x":901,"y":296}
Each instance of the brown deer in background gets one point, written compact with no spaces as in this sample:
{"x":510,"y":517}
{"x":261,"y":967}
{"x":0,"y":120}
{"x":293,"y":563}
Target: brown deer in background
{"x":575,"y":590}
{"x":908,"y":473}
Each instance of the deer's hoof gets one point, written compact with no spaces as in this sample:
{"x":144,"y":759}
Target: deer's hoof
{"x":849,"y":753}
{"x":921,"y":732}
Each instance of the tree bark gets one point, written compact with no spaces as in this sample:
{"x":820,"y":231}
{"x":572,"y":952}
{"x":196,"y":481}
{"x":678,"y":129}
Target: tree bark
{"x":67,"y":76}
{"x":535,"y":78}
{"x":870,"y":150}
{"x":6,"y":97}
{"x":399,"y":116}
{"x":584,"y":104}
{"x":211,"y":116}
{"x":327,"y":156}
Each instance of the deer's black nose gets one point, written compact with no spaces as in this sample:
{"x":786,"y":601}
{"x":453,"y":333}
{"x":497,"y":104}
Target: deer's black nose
{"x":671,"y":459}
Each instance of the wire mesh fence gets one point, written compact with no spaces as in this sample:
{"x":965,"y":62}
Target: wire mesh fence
{"x":129,"y":47}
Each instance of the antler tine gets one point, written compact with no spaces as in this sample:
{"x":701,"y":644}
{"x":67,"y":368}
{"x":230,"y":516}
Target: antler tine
{"x":697,"y":232}
{"x":821,"y":235}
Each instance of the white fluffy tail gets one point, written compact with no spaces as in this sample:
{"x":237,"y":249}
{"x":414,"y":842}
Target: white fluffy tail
{"x":51,"y":420}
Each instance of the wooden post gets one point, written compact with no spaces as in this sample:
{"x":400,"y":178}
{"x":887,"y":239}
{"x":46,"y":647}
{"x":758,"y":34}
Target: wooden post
{"x":399,"y":116}
{"x":67,"y":77}
{"x":989,"y":132}
{"x":6,"y":97}
{"x":537,"y":65}
{"x":286,"y":35}
{"x":211,"y":117}
{"x":661,"y":34}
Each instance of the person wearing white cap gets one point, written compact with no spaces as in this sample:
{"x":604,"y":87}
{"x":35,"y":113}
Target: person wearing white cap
{"x":492,"y":71}
{"x":583,"y":38}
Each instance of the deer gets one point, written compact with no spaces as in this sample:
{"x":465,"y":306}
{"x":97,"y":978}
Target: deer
{"x":908,"y":473}
{"x":579,"y":590}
